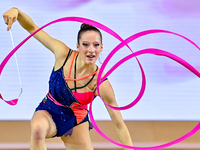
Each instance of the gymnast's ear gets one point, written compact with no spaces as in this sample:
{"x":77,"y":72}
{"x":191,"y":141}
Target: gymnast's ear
{"x":78,"y":46}
{"x":101,"y":47}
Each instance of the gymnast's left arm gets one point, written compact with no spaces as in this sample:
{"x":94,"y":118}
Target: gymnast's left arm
{"x":108,"y":96}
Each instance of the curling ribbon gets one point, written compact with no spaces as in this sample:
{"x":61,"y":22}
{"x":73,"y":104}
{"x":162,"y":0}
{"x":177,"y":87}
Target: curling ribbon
{"x":123,"y":43}
{"x":77,"y":19}
{"x":156,"y":52}
{"x":149,"y":51}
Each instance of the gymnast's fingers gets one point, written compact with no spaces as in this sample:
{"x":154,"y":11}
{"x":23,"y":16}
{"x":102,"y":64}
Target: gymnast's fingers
{"x":5,"y":19}
{"x":9,"y":19}
{"x":10,"y":22}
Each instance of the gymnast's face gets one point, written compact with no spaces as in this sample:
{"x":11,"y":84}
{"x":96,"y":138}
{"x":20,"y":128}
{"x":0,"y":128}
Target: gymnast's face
{"x":90,"y":46}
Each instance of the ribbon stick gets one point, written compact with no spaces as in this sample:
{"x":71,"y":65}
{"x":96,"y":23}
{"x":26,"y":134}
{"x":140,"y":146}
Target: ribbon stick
{"x":20,"y":81}
{"x":14,"y":101}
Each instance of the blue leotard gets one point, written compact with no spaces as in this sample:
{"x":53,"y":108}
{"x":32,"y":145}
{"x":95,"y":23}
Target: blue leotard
{"x":64,"y":114}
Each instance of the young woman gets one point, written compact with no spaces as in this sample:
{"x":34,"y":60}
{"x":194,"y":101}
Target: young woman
{"x":63,"y":112}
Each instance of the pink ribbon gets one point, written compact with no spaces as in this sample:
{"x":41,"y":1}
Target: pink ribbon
{"x":123,"y":43}
{"x":77,"y":19}
{"x":156,"y":52}
{"x":145,"y":51}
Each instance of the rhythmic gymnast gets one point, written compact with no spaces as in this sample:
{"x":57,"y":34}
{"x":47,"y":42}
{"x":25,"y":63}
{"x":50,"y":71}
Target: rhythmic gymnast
{"x":63,"y":112}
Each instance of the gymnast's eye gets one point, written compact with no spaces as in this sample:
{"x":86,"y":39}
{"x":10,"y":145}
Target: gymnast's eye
{"x":96,"y":45}
{"x":85,"y":44}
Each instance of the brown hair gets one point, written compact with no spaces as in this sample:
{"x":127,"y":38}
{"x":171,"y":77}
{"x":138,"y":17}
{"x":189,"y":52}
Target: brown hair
{"x":86,"y":27}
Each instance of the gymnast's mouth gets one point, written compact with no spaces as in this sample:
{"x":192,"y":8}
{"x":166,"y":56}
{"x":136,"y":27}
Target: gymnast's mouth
{"x":90,"y":56}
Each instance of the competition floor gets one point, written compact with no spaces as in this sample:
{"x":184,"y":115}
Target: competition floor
{"x":15,"y":135}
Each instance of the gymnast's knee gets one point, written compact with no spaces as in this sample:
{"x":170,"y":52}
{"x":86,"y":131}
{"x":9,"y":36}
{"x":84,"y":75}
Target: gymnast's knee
{"x":38,"y":133}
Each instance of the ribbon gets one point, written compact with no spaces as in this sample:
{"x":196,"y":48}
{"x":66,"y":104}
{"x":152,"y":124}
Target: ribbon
{"x":145,"y":51}
{"x":123,"y":43}
{"x":156,"y":52}
{"x":77,"y":19}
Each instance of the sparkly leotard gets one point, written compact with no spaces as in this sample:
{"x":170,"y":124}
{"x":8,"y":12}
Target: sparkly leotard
{"x":67,"y":108}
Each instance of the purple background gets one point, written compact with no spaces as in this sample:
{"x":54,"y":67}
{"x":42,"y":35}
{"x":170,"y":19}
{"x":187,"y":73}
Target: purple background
{"x":172,"y":91}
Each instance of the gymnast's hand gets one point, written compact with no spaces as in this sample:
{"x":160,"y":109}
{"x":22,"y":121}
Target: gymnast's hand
{"x":10,"y":17}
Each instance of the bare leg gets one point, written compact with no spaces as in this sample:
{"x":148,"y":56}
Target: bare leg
{"x":42,"y":126}
{"x":80,"y":138}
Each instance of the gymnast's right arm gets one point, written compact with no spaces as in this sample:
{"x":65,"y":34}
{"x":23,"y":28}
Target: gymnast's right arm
{"x":56,"y":46}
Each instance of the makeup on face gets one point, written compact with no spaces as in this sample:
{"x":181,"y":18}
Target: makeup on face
{"x":90,"y":46}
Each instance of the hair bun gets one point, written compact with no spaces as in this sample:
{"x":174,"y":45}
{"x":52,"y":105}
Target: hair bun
{"x":85,"y":26}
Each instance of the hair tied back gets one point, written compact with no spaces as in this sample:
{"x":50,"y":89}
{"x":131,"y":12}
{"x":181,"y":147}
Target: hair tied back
{"x":85,"y":26}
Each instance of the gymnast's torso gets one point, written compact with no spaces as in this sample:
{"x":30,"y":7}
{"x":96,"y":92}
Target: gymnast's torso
{"x":65,"y":101}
